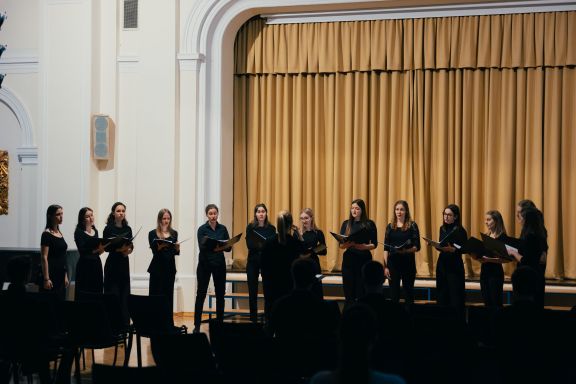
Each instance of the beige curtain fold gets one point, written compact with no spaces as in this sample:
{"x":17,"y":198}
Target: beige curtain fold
{"x":467,"y":110}
{"x":495,"y":41}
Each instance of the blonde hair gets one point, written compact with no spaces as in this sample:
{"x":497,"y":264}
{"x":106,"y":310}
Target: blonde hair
{"x":309,"y":212}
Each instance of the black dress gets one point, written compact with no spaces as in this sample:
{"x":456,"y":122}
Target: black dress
{"x":277,"y":270}
{"x":450,"y":279}
{"x":531,"y":247}
{"x":213,"y":264}
{"x":162,"y":268}
{"x":256,"y":252}
{"x":117,"y":270}
{"x":492,"y":281}
{"x":402,"y":266}
{"x":56,"y":263}
{"x":354,"y":259}
{"x":314,"y":238}
{"x":89,"y":272}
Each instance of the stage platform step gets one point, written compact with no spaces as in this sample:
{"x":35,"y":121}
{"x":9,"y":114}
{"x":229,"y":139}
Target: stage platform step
{"x":558,"y":294}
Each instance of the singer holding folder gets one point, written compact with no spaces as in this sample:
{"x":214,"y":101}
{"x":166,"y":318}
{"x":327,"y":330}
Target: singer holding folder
{"x":314,"y":245}
{"x":401,"y":241}
{"x":450,"y":283}
{"x":89,"y":272}
{"x":210,"y":262}
{"x":491,"y":272}
{"x":117,"y":267}
{"x":164,"y":244}
{"x":260,"y":236}
{"x":364,"y":236}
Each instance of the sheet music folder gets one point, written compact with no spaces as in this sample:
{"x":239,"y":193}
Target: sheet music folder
{"x":497,"y":247}
{"x":212,"y":243}
{"x":351,"y":237}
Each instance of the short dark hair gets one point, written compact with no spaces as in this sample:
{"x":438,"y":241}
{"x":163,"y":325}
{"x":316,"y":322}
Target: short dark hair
{"x":303,"y":273}
{"x":373,"y":273}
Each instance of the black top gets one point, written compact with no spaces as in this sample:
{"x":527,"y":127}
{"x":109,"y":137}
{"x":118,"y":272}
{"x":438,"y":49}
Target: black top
{"x":314,"y":238}
{"x":494,"y":268}
{"x":406,"y":238}
{"x":452,"y":234}
{"x":370,"y":236}
{"x":269,"y":232}
{"x":86,"y":244}
{"x":531,"y":248}
{"x":56,"y":253}
{"x":218,"y":233}
{"x":162,"y":260}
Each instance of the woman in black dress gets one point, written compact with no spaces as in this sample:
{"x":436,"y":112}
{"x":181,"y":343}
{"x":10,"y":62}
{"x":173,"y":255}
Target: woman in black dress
{"x":277,"y":265}
{"x":533,"y":244}
{"x":211,"y":262}
{"x":163,"y":242}
{"x":117,"y":268}
{"x":491,"y":272}
{"x":260,"y":235}
{"x":450,"y":280}
{"x":401,"y":241}
{"x":53,"y":254}
{"x":89,"y":272}
{"x":314,"y":244}
{"x":364,"y":238}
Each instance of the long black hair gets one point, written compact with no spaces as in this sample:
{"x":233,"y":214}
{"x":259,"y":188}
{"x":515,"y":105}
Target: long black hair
{"x":363,"y":215}
{"x":81,"y":225}
{"x":255,"y":221}
{"x":51,"y":217}
{"x":111,"y":220}
{"x":533,"y":223}
{"x":456,"y":211}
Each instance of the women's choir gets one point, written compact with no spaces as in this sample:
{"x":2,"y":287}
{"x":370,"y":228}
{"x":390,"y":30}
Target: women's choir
{"x":272,"y":253}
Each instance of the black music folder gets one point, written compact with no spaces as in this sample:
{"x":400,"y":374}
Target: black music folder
{"x":212,"y":243}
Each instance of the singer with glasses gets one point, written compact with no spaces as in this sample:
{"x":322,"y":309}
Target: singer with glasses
{"x":401,"y":241}
{"x":450,"y":280}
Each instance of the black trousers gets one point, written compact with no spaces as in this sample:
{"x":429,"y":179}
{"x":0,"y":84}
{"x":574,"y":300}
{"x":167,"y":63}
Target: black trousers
{"x":450,"y":283}
{"x":402,"y":267}
{"x":352,"y":264}
{"x":162,"y":283}
{"x":253,"y":270}
{"x":204,"y":270}
{"x":492,"y":286}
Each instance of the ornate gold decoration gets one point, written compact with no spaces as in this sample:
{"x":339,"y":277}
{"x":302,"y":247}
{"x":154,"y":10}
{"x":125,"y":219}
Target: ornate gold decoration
{"x":3,"y":182}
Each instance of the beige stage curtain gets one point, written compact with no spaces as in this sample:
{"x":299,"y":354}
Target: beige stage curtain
{"x":477,"y":111}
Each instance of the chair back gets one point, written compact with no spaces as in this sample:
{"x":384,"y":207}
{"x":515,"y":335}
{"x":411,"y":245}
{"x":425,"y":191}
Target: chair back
{"x":184,"y":355}
{"x":150,"y":315}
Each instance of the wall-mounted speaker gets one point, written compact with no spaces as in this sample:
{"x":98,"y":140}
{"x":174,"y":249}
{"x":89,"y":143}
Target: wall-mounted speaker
{"x":102,"y":130}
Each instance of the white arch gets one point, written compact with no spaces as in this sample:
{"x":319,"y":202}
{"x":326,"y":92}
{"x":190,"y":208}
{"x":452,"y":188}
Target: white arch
{"x":27,"y":152}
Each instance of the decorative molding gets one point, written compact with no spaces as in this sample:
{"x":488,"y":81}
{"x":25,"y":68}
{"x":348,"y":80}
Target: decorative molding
{"x":23,"y":117}
{"x":19,"y":64}
{"x":450,"y":10}
{"x":191,"y":62}
{"x":128,"y":63}
{"x":27,"y":155}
